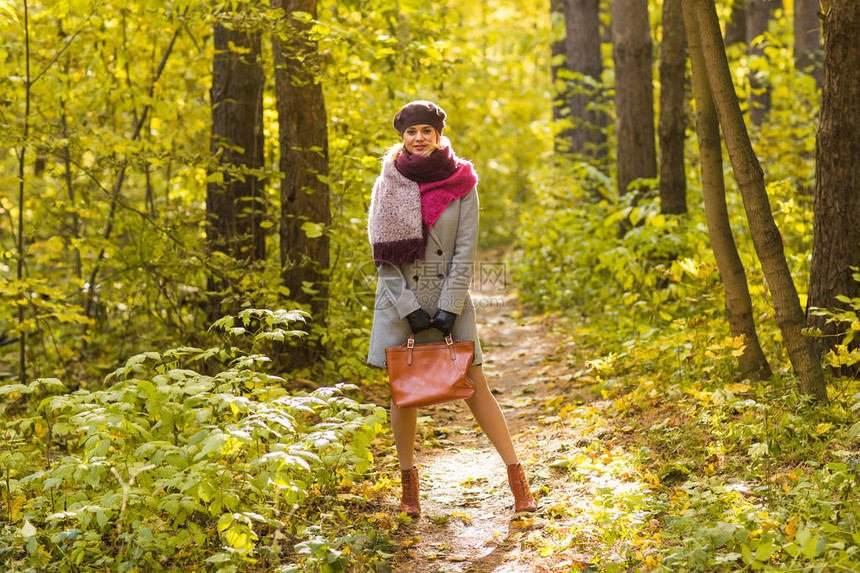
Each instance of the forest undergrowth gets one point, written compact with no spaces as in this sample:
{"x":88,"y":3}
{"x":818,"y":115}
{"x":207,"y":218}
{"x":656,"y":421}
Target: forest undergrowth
{"x":705,"y":470}
{"x":646,"y":450}
{"x":134,"y":439}
{"x":646,"y":454}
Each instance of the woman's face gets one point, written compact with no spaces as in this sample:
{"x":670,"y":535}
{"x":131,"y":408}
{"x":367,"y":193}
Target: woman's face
{"x":420,"y":139}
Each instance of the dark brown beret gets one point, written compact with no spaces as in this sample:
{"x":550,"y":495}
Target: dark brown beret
{"x":420,"y":112}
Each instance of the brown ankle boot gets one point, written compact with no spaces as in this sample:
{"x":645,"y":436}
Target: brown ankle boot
{"x":523,"y":500}
{"x":409,"y":499}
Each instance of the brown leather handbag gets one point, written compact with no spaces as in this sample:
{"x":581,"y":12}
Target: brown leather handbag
{"x":431,"y":372}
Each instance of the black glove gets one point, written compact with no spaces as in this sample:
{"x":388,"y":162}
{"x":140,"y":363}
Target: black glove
{"x":418,"y":320}
{"x":444,"y":321}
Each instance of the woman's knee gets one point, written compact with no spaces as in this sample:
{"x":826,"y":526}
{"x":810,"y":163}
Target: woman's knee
{"x":476,"y":375}
{"x":482,"y":389}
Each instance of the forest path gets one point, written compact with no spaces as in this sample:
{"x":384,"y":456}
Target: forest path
{"x":468,"y":523}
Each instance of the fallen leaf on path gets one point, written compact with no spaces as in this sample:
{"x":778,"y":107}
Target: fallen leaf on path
{"x":463,"y":516}
{"x":522,"y":522}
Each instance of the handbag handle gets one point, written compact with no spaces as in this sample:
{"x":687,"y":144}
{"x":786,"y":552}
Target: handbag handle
{"x":410,"y":345}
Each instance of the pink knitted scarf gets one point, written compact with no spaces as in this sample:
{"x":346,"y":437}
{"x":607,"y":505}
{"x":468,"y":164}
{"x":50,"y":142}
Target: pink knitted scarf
{"x":439,"y":165}
{"x":436,"y":195}
{"x":402,"y":210}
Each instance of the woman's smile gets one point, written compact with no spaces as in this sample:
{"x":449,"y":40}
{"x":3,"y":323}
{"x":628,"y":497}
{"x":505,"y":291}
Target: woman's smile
{"x":420,"y":139}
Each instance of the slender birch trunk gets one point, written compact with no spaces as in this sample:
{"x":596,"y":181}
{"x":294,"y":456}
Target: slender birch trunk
{"x":752,"y":363}
{"x":766,"y":237}
{"x":22,"y":340}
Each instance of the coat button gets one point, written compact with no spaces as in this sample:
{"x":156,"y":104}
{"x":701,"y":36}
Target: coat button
{"x":439,"y":252}
{"x":415,"y":278}
{"x":440,"y":276}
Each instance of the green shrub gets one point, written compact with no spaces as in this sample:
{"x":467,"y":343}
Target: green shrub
{"x":169,"y":465}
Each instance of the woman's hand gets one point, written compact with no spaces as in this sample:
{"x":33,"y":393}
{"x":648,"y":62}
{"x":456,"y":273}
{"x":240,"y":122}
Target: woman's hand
{"x":418,"y":320}
{"x":444,"y":321}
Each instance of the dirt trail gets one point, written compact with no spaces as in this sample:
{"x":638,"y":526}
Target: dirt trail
{"x":468,"y":523}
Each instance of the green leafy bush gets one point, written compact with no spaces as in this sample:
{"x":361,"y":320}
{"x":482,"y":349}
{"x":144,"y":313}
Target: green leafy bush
{"x":172,"y":465}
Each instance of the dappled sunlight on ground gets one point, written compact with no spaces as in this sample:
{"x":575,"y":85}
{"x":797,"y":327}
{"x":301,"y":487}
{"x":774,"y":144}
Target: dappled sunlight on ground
{"x":592,"y":494}
{"x":637,"y":464}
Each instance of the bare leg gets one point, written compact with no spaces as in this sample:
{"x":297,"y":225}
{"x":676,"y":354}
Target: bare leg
{"x":489,"y":416}
{"x":404,"y":421}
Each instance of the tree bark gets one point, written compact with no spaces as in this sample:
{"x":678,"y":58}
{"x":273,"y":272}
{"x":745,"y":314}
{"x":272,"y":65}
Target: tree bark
{"x":673,"y":181}
{"x":752,"y":363}
{"x":584,"y":67}
{"x":766,"y":237}
{"x":758,"y":16}
{"x":634,"y":98}
{"x":807,"y":38}
{"x":303,"y":137}
{"x":558,"y":61}
{"x":22,"y":179}
{"x":836,"y":219}
{"x":736,"y":27}
{"x":235,"y":206}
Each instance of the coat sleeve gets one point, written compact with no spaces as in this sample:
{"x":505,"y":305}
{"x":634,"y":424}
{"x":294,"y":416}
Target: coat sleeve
{"x":394,"y":284}
{"x":462,"y":267}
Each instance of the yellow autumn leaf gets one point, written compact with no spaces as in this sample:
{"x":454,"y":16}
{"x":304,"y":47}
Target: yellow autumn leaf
{"x":737,"y":387}
{"x":312,"y":230}
{"x":653,"y":481}
{"x":823,"y":428}
{"x":523,"y":522}
{"x":791,"y":527}
{"x":462,"y":515}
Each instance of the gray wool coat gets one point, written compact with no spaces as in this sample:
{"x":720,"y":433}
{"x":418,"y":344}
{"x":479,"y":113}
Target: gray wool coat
{"x":440,"y":281}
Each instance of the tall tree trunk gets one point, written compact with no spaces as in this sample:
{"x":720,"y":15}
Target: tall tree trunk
{"x":758,"y":16}
{"x":234,"y":199}
{"x":584,"y":65}
{"x":673,"y":181}
{"x":752,"y":363}
{"x":736,"y":27}
{"x":19,"y":239}
{"x":305,"y":212}
{"x":836,"y":220}
{"x":634,"y":98}
{"x":807,"y":38}
{"x":558,"y":63}
{"x":766,"y":238}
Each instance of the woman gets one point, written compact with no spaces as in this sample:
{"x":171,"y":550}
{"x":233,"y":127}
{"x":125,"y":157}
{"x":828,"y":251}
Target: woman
{"x":423,"y":227}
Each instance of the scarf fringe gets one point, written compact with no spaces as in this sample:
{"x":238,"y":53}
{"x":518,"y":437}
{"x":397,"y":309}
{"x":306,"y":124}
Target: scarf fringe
{"x":398,"y":252}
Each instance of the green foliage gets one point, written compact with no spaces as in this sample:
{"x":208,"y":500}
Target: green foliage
{"x":794,"y":508}
{"x":572,"y":258}
{"x":730,"y":475}
{"x":111,"y":201}
{"x":170,"y":464}
{"x":203,"y":457}
{"x":847,"y":351}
